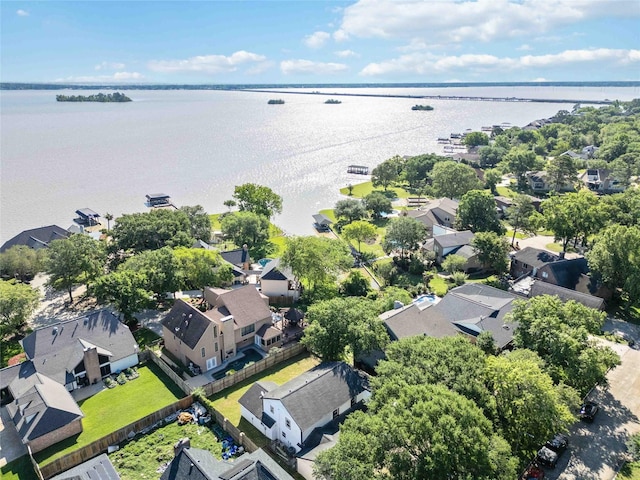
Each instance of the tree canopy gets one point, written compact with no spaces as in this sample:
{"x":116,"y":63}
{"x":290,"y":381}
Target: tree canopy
{"x":199,"y":221}
{"x":377,"y":204}
{"x":451,"y":179}
{"x":316,"y":259}
{"x":387,"y":172}
{"x":521,"y":215}
{"x":248,"y":228}
{"x":22,"y":262}
{"x":18,"y":301}
{"x":350,"y":210}
{"x":477,"y":212}
{"x":360,"y":231}
{"x":404,"y":234}
{"x":202,"y":268}
{"x":124,"y":289}
{"x":258,"y":199}
{"x":492,"y":250}
{"x":152,"y":230}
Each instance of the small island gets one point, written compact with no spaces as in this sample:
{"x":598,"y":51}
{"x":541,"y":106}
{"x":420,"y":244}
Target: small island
{"x":278,"y":101}
{"x":100,"y":97}
{"x":422,"y":107}
{"x":333,"y":101}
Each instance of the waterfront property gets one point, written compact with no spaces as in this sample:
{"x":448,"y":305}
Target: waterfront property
{"x":291,"y":412}
{"x":36,"y":238}
{"x":87,"y":217}
{"x":358,"y":169}
{"x":321,"y":222}
{"x":279,"y":284}
{"x":158,"y":200}
{"x":441,"y":211}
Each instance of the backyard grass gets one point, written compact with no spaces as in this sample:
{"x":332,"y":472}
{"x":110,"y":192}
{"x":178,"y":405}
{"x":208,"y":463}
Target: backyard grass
{"x":438,"y":286}
{"x":20,"y":469}
{"x":506,"y":192}
{"x":145,"y":337}
{"x":554,"y":247}
{"x":226,"y":402}
{"x":112,"y":409}
{"x":140,"y":459}
{"x":629,"y":471}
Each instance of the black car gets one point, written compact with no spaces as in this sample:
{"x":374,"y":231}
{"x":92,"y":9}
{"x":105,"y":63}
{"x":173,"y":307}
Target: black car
{"x":558,"y":443}
{"x":588,"y":411}
{"x":547,"y":457}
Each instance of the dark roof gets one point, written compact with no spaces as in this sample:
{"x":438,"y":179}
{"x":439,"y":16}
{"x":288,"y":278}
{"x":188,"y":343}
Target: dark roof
{"x":197,"y":464}
{"x":186,"y":322}
{"x":36,"y":237}
{"x":43,"y":407}
{"x":252,"y":400}
{"x":311,"y":396}
{"x":19,"y":371}
{"x":453,"y":239}
{"x":98,"y":468}
{"x":246,"y":305}
{"x":274,"y":271}
{"x":87,"y":213}
{"x":470,"y":308}
{"x":534,"y":257}
{"x":564,"y":294}
{"x":565,"y":273}
{"x":157,"y":195}
{"x":58,"y":348}
{"x":238,"y":256}
{"x":322,"y":219}
{"x":294,"y":315}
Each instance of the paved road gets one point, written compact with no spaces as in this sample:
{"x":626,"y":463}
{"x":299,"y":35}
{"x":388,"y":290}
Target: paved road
{"x":597,"y":450}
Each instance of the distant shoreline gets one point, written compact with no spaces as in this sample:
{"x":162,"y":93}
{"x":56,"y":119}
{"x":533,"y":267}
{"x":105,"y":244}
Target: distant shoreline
{"x":70,"y":86}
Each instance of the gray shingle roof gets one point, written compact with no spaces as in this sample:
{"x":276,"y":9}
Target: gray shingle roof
{"x":469,"y":308}
{"x":36,"y":237}
{"x":565,"y":273}
{"x":186,"y":322}
{"x":252,"y":398}
{"x":274,"y":271}
{"x":564,"y":294}
{"x":238,"y":256}
{"x":314,"y":394}
{"x":50,"y":404}
{"x":98,"y":468}
{"x":534,"y":257}
{"x":58,"y":348}
{"x":322,"y":219}
{"x":453,"y":239}
{"x":245,"y":304}
{"x":197,"y":464}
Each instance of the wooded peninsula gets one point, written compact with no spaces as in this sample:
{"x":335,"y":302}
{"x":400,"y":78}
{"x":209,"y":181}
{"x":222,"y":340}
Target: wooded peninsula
{"x":100,"y":97}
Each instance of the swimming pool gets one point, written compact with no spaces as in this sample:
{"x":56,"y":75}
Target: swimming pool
{"x":426,"y":300}
{"x":250,"y":355}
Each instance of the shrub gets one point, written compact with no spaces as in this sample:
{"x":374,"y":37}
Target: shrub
{"x":459,"y":278}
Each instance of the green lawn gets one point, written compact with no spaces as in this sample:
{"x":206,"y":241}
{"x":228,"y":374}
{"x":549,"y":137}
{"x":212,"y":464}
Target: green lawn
{"x":629,"y":471}
{"x":361,"y":190}
{"x":554,"y":247}
{"x":506,"y":192}
{"x":145,"y":337}
{"x":139,"y":460}
{"x":115,"y":408}
{"x":439,"y":286}
{"x":19,"y":469}
{"x":226,"y":402}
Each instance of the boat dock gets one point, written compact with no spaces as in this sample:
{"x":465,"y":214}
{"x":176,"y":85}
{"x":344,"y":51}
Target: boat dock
{"x":439,"y":97}
{"x":358,"y":169}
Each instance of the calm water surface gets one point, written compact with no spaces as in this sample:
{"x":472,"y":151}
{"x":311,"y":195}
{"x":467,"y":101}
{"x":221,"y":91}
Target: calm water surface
{"x":197,"y":145}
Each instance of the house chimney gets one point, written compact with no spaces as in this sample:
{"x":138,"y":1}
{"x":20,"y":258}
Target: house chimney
{"x":245,"y":257}
{"x":181,"y":444}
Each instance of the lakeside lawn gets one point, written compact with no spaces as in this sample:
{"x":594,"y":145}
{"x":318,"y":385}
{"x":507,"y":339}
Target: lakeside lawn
{"x":112,"y":409}
{"x":361,"y":190}
{"x":226,"y":402}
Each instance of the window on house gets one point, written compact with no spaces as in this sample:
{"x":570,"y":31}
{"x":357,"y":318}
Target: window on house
{"x":287,"y":422}
{"x":545,"y":275}
{"x":202,"y":352}
{"x":248,"y":329}
{"x":215,"y":332}
{"x":336,"y":412}
{"x":216,"y":345}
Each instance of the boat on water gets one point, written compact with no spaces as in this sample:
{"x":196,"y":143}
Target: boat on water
{"x":422,"y":107}
{"x":276,"y":101}
{"x":333,"y":101}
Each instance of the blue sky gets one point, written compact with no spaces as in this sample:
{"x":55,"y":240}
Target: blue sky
{"x":308,"y":41}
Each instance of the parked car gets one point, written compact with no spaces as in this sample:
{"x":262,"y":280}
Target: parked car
{"x":558,"y":443}
{"x":588,"y":411}
{"x":547,"y":457}
{"x":533,"y":472}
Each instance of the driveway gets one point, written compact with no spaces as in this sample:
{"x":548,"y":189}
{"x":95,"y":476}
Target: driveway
{"x":11,"y":446}
{"x":596,"y":451}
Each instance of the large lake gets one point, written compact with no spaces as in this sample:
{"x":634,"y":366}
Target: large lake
{"x":197,"y":145}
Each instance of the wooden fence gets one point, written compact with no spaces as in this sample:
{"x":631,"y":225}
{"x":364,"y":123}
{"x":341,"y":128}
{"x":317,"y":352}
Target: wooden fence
{"x":99,"y":446}
{"x":151,"y":356}
{"x":250,"y":370}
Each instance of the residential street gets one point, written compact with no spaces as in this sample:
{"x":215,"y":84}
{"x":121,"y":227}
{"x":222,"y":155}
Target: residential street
{"x":596,"y":451}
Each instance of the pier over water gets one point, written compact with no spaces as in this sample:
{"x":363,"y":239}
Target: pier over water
{"x":438,"y":97}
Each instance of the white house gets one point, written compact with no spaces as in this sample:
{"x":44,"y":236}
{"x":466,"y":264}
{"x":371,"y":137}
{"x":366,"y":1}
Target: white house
{"x":291,"y":412}
{"x":278,"y":283}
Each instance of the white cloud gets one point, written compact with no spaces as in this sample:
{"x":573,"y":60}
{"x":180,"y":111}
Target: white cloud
{"x":452,"y":21}
{"x":109,"y":66}
{"x":525,"y":48}
{"x":22,"y":13}
{"x":316,"y":39}
{"x":116,"y":77}
{"x":346,"y":53}
{"x":424,"y":63}
{"x":539,"y":79}
{"x":340,"y":35}
{"x":289,"y":67}
{"x":207,"y":63}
